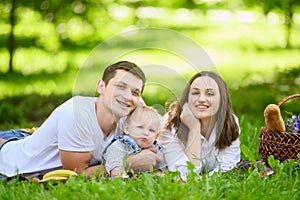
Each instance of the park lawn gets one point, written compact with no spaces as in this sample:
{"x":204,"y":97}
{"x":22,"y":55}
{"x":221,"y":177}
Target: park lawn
{"x":236,"y":184}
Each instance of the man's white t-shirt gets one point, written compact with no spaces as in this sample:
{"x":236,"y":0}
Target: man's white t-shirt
{"x":73,"y":126}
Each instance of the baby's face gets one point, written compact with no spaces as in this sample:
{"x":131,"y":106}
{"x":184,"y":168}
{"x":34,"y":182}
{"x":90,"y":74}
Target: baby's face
{"x":143,"y":129}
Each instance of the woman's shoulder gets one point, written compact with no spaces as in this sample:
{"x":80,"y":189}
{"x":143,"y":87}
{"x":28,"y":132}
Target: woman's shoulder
{"x":235,"y":118}
{"x":164,"y":118}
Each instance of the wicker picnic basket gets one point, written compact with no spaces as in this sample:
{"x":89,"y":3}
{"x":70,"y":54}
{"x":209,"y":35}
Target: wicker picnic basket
{"x":282,"y":145}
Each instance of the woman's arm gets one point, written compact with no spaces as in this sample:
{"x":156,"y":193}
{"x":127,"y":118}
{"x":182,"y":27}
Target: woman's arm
{"x":193,"y":145}
{"x":173,"y":151}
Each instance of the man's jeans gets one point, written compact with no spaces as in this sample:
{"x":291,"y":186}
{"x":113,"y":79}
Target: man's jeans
{"x":13,"y":134}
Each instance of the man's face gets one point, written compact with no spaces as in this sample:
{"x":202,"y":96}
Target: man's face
{"x":122,"y":93}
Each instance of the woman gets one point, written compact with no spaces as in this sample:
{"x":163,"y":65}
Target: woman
{"x":201,"y":128}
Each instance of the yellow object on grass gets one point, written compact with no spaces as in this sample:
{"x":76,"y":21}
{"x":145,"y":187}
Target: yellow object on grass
{"x":30,"y":130}
{"x":61,"y":174}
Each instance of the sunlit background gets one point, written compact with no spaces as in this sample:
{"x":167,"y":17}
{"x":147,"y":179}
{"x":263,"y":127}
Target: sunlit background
{"x":51,"y":36}
{"x":44,"y":44}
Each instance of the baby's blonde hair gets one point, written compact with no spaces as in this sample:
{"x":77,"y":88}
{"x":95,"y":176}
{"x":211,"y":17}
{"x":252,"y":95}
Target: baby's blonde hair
{"x":150,"y":111}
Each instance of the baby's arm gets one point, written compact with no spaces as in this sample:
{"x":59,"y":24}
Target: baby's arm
{"x":113,"y":158}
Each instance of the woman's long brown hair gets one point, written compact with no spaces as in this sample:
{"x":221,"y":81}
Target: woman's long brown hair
{"x":227,"y":129}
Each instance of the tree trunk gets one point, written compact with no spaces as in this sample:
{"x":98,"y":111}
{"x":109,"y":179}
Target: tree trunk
{"x":11,"y":40}
{"x":288,"y":34}
{"x":288,"y":23}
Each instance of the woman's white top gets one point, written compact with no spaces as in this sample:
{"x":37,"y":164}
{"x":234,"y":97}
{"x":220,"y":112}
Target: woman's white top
{"x":211,"y":159}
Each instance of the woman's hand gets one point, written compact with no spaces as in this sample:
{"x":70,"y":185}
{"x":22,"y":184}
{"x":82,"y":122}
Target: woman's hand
{"x":189,"y":119}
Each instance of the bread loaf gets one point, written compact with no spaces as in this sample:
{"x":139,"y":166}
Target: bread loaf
{"x":273,"y":118}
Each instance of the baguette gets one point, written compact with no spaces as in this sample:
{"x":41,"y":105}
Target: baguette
{"x":273,"y":118}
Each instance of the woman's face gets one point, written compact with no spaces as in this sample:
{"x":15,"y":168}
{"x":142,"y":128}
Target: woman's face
{"x":204,"y":98}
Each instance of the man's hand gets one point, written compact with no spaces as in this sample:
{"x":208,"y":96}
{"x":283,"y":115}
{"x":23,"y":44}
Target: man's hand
{"x":143,"y":161}
{"x":95,"y":170}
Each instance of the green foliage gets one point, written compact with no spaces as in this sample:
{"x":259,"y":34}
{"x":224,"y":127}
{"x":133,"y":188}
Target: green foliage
{"x":235,"y":184}
{"x":248,"y":154}
{"x":29,"y":110}
{"x":286,"y":7}
{"x":251,"y":100}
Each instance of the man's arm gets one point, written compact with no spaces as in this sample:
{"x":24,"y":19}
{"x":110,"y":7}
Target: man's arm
{"x":79,"y":162}
{"x":95,"y":170}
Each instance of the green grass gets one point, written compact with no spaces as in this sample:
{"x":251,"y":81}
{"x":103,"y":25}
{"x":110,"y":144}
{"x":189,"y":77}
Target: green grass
{"x":235,"y":184}
{"x":284,"y":184}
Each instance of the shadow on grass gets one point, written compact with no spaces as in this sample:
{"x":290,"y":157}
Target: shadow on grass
{"x":11,"y":76}
{"x":28,"y":110}
{"x":276,"y":48}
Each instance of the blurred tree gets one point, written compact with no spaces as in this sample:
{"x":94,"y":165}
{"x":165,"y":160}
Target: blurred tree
{"x":65,"y":16}
{"x":11,"y":39}
{"x":13,"y":5}
{"x":287,"y":7}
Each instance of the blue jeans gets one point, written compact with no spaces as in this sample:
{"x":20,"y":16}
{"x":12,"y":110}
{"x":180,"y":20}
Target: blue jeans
{"x":13,"y":134}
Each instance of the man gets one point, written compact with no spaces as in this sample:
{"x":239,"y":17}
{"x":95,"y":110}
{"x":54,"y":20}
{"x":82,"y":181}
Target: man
{"x":77,"y":132}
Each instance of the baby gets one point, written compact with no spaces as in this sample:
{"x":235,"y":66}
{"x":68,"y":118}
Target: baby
{"x":141,"y":129}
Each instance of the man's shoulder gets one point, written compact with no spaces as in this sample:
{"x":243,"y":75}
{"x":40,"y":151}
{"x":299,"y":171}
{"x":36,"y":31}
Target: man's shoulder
{"x":77,"y":100}
{"x":79,"y":108}
{"x":83,"y":99}
{"x":78,"y":103}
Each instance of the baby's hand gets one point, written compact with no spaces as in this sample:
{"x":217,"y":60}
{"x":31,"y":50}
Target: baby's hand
{"x":153,"y":149}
